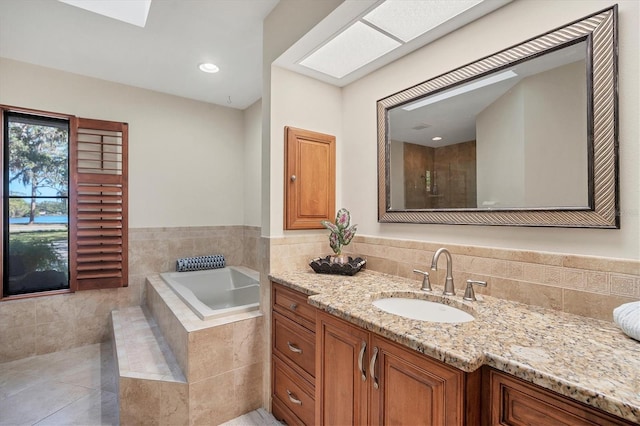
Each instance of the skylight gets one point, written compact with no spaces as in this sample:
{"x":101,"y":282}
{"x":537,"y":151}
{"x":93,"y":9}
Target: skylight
{"x":408,"y":19}
{"x":493,"y":79}
{"x":356,"y":46}
{"x":382,"y":30}
{"x":133,"y":12}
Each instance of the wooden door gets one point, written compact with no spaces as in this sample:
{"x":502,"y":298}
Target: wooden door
{"x":413,"y":389}
{"x":310,"y":176}
{"x":341,"y":392}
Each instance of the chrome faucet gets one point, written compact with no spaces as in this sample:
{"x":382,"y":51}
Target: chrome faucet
{"x":426,"y":285}
{"x":449,"y":289}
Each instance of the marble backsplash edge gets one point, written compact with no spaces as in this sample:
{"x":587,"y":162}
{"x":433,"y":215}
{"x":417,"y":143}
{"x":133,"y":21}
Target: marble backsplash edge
{"x":583,"y":285}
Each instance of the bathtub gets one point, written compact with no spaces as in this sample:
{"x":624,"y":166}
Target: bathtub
{"x":217,"y":292}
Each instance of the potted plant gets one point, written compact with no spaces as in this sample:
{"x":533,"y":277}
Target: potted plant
{"x":341,"y":234}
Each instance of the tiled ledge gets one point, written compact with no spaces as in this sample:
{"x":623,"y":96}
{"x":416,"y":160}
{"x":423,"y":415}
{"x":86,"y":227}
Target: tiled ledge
{"x":151,"y":386}
{"x":141,"y":350}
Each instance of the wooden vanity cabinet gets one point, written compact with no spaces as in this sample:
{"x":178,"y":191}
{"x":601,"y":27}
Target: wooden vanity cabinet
{"x":363,"y":378}
{"x":512,"y":401}
{"x":293,"y":356}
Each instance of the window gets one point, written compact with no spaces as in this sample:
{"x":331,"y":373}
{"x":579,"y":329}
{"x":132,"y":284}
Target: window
{"x":64,"y":210}
{"x":35,"y":202}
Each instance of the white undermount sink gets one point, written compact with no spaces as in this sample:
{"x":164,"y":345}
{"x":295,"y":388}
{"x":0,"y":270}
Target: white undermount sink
{"x":423,"y":310}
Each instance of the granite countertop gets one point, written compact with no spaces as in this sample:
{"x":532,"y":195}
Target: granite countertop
{"x":586,"y":359}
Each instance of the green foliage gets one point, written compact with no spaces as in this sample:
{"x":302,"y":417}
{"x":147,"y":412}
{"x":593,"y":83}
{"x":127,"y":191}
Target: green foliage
{"x":37,"y":250}
{"x":18,"y":207}
{"x":38,"y":158}
{"x":53,"y":207}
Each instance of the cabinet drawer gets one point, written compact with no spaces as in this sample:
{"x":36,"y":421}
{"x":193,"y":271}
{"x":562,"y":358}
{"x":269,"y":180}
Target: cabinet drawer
{"x":295,"y":343}
{"x":283,"y":414}
{"x":294,"y":305}
{"x":292,"y":391}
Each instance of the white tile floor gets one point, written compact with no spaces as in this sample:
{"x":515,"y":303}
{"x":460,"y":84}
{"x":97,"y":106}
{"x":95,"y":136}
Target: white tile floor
{"x":73,"y":387}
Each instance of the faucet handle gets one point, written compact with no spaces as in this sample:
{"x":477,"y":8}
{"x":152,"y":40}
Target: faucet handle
{"x":469,"y":294}
{"x":426,"y":284}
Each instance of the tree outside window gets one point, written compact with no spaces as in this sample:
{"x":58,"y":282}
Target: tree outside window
{"x":36,"y":204}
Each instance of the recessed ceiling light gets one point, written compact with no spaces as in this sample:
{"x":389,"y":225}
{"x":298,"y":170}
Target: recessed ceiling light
{"x":408,"y":19}
{"x":133,"y":12}
{"x":209,"y":67}
{"x":437,"y":138}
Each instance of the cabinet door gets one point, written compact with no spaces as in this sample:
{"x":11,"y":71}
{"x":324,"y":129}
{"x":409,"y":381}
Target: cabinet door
{"x":310,"y":178}
{"x":413,"y":389}
{"x":341,"y":392}
{"x":514,"y":402}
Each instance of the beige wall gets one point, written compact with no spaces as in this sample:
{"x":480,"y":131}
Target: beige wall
{"x":252,"y":164}
{"x":554,"y":150}
{"x":285,"y":25}
{"x":507,"y":26}
{"x":184,"y":155}
{"x":302,"y":102}
{"x":500,"y":151}
{"x":534,"y":138}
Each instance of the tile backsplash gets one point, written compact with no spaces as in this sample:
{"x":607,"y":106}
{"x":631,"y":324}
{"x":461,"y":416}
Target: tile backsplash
{"x":46,"y":324}
{"x":582,"y":285}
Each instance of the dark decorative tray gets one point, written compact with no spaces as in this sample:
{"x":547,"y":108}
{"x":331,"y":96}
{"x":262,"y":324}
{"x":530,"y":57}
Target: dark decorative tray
{"x":324,"y":265}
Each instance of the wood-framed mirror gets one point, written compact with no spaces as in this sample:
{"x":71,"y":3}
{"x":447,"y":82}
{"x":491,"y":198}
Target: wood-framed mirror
{"x":525,"y":137}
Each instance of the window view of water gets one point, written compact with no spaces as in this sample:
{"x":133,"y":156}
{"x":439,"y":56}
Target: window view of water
{"x":37,"y":254}
{"x":39,"y":219}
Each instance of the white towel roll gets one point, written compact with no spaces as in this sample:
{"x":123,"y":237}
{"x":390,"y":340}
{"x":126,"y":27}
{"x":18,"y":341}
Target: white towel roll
{"x":627,"y":316}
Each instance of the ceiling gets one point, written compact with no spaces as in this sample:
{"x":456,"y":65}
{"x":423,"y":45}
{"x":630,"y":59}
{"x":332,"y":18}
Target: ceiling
{"x":163,"y":56}
{"x":181,"y":34}
{"x":351,"y":12}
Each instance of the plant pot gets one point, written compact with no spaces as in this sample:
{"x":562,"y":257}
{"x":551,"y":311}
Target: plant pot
{"x":340,"y":259}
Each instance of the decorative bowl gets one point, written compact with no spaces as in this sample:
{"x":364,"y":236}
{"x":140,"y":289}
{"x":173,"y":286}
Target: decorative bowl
{"x":325,"y":265}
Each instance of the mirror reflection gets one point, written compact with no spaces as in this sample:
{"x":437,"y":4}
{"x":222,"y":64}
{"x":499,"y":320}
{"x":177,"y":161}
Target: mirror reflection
{"x":513,"y":139}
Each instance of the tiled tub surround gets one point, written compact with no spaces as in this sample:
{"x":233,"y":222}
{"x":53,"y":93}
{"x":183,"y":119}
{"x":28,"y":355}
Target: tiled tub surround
{"x":47,"y":324}
{"x":586,"y":359}
{"x":583,"y":285}
{"x":221,"y":358}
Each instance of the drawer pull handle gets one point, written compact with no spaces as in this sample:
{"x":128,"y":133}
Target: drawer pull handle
{"x":294,"y":348}
{"x":293,"y":306}
{"x":372,"y":367}
{"x":363,"y":370}
{"x":293,"y":398}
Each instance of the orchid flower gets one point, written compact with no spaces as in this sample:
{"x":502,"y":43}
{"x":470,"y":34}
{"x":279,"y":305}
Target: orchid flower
{"x":341,"y":233}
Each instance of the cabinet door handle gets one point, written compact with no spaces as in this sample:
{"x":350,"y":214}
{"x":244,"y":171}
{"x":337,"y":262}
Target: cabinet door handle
{"x":372,"y":367}
{"x":361,"y":367}
{"x":293,"y":306}
{"x":292,"y":398}
{"x":294,"y":348}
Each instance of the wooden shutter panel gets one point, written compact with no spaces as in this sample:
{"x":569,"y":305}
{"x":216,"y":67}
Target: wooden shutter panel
{"x":98,"y":204}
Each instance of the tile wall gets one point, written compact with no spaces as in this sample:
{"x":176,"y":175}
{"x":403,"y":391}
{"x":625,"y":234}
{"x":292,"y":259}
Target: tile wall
{"x":582,"y":285}
{"x":46,"y":324}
